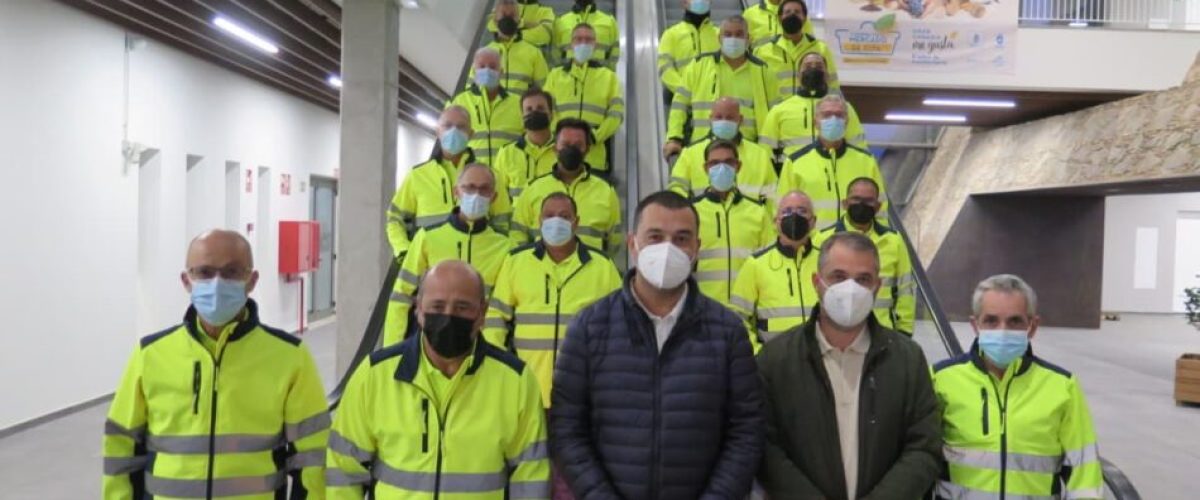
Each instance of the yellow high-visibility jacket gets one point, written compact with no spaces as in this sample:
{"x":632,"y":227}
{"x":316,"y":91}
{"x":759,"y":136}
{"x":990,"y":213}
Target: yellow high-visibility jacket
{"x":682,"y":43}
{"x":896,"y":302}
{"x":731,"y":230}
{"x":522,"y":65}
{"x":764,"y":23}
{"x":756,"y":178}
{"x":523,"y":161}
{"x":235,"y":417}
{"x":1026,"y":435}
{"x":792,"y":126}
{"x":783,"y":56}
{"x":476,"y":244}
{"x":396,"y":436}
{"x":599,"y":210}
{"x":774,"y":292}
{"x":826,"y":174}
{"x":496,"y":122}
{"x":608,"y":36}
{"x":536,"y":298}
{"x":532,"y":12}
{"x":426,"y":197}
{"x":589,"y":92}
{"x":709,"y":78}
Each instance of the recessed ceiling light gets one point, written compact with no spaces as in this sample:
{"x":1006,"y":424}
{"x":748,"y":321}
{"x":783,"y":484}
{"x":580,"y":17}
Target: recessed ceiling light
{"x":245,"y":35}
{"x":1078,"y":24}
{"x":410,"y":4}
{"x":922,"y":117}
{"x":335,"y":82}
{"x":969,"y":103}
{"x":427,"y":120}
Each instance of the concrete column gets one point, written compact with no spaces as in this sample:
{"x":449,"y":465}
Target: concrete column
{"x":370,"y":59}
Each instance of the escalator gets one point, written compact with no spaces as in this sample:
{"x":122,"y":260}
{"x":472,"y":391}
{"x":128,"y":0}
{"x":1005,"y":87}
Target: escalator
{"x":638,"y":170}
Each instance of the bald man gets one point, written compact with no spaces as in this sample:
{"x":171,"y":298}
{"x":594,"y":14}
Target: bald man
{"x":397,"y":434}
{"x":774,"y":290}
{"x":756,"y":177}
{"x":164,"y":433}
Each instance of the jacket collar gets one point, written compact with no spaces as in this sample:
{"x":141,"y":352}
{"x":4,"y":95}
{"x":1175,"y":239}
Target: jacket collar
{"x":791,"y":253}
{"x":737,"y":139}
{"x":876,"y":227}
{"x":825,"y":152}
{"x":410,"y":358}
{"x":696,"y":20}
{"x":244,"y":326}
{"x":539,"y":250}
{"x":500,"y":94}
{"x":711,"y":195}
{"x":524,"y":143}
{"x":468,"y":155}
{"x":879,"y":341}
{"x":587,"y":174}
{"x":583,"y":10}
{"x":476,"y":227}
{"x":638,"y":322}
{"x":516,"y":38}
{"x":976,"y":356}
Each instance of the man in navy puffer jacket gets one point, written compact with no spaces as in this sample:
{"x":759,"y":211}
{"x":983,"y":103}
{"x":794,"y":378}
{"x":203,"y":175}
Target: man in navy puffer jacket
{"x":655,"y":389}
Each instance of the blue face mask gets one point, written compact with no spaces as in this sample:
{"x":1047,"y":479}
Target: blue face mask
{"x":725,"y":129}
{"x":833,"y":128}
{"x":487,"y":78}
{"x":474,"y":206}
{"x":699,"y":7}
{"x":1003,"y":346}
{"x":218,"y":301}
{"x":733,"y":47}
{"x":453,"y":141}
{"x":722,"y":177}
{"x":583,"y":52}
{"x":556,"y":231}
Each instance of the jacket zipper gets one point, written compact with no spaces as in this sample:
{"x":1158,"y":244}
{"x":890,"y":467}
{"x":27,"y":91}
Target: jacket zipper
{"x":212,"y":425}
{"x":984,"y":398}
{"x":1003,"y":404}
{"x":425,"y":426}
{"x":470,"y":242}
{"x":437,"y":481}
{"x":835,"y":187}
{"x":558,"y":308}
{"x":196,"y":388}
{"x":718,"y":217}
{"x":728,"y":258}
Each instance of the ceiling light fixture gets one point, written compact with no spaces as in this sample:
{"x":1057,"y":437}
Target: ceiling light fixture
{"x":335,"y":82}
{"x":245,"y":35}
{"x":1078,"y":24}
{"x":410,"y":4}
{"x":921,"y":117}
{"x":969,"y":103}
{"x":427,"y":120}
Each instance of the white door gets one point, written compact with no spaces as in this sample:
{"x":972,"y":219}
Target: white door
{"x":1187,"y":256}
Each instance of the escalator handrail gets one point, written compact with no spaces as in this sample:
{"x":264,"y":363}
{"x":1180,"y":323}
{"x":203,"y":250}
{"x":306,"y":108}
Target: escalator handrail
{"x":374,"y":328}
{"x":1118,"y":482}
{"x":925,"y":287}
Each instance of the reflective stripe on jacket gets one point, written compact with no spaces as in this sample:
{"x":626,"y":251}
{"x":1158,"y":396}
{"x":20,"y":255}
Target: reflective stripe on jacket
{"x":774,"y":292}
{"x":535,"y":299}
{"x":731,"y":230}
{"x":1026,"y":435}
{"x":189,"y":423}
{"x":476,"y":244}
{"x":394,"y":439}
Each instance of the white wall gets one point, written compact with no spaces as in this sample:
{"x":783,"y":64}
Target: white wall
{"x":1089,"y":59}
{"x":1123,"y":215}
{"x":93,"y":249}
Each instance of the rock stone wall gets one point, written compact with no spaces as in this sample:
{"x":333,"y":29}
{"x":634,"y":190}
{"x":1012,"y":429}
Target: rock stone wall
{"x":1151,"y":136}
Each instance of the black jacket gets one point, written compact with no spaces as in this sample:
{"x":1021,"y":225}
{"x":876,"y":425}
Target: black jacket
{"x":628,"y":422}
{"x":899,"y":427}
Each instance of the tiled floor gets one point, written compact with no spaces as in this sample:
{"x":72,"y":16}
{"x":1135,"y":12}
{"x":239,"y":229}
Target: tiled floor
{"x":1126,"y":368}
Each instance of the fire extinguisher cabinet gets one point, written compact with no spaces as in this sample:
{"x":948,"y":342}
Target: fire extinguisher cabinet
{"x":299,"y":246}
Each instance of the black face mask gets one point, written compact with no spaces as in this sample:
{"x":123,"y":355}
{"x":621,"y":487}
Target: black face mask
{"x":507,"y":25}
{"x":583,"y":4}
{"x":537,"y":120}
{"x":449,"y":335}
{"x":813,"y":80}
{"x":794,"y":226}
{"x":860,"y":213}
{"x":792,"y":24}
{"x":570,"y":158}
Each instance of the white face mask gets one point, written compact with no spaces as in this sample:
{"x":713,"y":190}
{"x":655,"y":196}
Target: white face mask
{"x":847,"y":303}
{"x":664,"y":265}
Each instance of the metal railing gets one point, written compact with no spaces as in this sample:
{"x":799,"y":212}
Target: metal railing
{"x":1127,"y":14}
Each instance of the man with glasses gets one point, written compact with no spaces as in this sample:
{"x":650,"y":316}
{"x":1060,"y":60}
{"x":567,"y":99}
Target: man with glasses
{"x":464,"y":235}
{"x":164,"y":433}
{"x":775,"y":292}
{"x":850,"y":408}
{"x":1016,"y":426}
{"x":896,"y":303}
